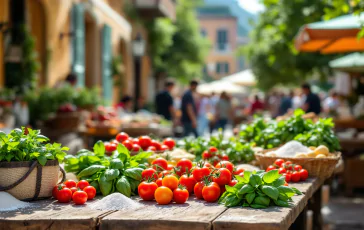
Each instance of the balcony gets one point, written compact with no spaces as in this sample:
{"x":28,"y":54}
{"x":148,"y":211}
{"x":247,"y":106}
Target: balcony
{"x":156,"y":8}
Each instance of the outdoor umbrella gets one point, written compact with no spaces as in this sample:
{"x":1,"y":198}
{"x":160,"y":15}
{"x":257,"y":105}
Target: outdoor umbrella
{"x":219,"y":87}
{"x":338,"y":35}
{"x":350,"y":63}
{"x":243,"y":78}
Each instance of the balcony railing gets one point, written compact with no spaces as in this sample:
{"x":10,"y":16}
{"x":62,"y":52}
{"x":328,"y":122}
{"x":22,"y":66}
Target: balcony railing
{"x":156,"y":8}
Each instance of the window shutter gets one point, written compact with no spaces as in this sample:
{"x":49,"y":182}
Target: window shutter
{"x":226,"y":67}
{"x":78,"y":44}
{"x":107,"y":85}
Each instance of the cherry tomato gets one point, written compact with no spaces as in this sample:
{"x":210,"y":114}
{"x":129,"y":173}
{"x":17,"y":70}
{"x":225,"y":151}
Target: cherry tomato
{"x":270,"y":168}
{"x":282,"y":170}
{"x":156,"y":144}
{"x":198,"y":189}
{"x":56,"y":189}
{"x":286,"y":184}
{"x":170,"y":143}
{"x":82,"y":184}
{"x":135,"y":141}
{"x":225,"y":157}
{"x":136,"y":148}
{"x":184,"y":166}
{"x":213,"y":150}
{"x":207,"y":164}
{"x":114,"y":142}
{"x":199,"y":173}
{"x":145,"y":142}
{"x":128,"y":144}
{"x":211,"y":193}
{"x":70,"y":183}
{"x":79,"y":197}
{"x":151,"y":149}
{"x":180,"y":195}
{"x":223,"y":177}
{"x":159,"y":182}
{"x":164,"y":148}
{"x":238,"y":170}
{"x":163,"y":195}
{"x":64,"y":195}
{"x":170,"y":167}
{"x":287,"y":177}
{"x":206,"y":155}
{"x":74,"y":189}
{"x":222,"y":189}
{"x":226,"y":164}
{"x":303,"y":174}
{"x":110,"y":147}
{"x":233,"y":183}
{"x":170,"y":181}
{"x":164,"y":173}
{"x":288,"y":165}
{"x":149,"y":173}
{"x":147,"y":189}
{"x":91,"y":192}
{"x":297,"y":167}
{"x":296,"y":177}
{"x":279,"y":162}
{"x":121,"y":137}
{"x":160,"y":164}
{"x":188,"y":181}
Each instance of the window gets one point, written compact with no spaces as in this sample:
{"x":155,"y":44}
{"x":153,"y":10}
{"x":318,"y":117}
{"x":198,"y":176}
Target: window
{"x":222,"y":39}
{"x":222,"y":68}
{"x":203,"y":33}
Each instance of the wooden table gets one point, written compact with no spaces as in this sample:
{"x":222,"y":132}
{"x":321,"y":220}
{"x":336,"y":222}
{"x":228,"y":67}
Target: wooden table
{"x":193,"y":215}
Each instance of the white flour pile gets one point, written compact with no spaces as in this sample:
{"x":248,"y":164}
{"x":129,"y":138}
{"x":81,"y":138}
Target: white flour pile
{"x":291,"y":148}
{"x":10,"y":203}
{"x":115,"y":201}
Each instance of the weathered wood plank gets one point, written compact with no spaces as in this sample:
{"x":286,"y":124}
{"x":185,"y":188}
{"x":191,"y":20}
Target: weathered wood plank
{"x":193,"y":215}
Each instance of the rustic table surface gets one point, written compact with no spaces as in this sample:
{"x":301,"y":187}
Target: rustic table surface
{"x":193,"y":215}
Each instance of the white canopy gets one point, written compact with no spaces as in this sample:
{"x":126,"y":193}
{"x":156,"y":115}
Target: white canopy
{"x":219,"y":87}
{"x":243,"y":78}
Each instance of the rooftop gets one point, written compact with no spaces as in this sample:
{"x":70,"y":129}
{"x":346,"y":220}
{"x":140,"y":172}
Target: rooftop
{"x":215,"y":11}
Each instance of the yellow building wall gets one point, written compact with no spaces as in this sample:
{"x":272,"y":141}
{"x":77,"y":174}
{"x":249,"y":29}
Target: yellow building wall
{"x":4,"y":17}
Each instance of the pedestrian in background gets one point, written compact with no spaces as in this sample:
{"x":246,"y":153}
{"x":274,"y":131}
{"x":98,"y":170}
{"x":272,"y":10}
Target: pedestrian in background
{"x":203,"y":112}
{"x":164,"y":101}
{"x":223,"y":111}
{"x":312,"y":102}
{"x":257,"y":105}
{"x":286,"y":104}
{"x":212,"y":119}
{"x":189,"y":111}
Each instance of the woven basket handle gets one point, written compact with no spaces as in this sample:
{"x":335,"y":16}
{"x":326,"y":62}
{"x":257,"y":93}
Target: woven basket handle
{"x":5,"y":188}
{"x":63,"y":175}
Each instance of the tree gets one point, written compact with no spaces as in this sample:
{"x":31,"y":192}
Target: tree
{"x":271,"y":51}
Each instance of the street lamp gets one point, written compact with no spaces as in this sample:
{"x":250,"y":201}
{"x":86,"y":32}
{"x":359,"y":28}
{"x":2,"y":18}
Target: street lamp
{"x":138,"y":52}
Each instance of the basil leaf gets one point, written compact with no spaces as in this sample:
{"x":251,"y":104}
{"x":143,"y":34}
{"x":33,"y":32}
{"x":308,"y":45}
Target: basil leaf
{"x":232,"y":200}
{"x":143,"y":166}
{"x":111,"y":174}
{"x":258,"y":206}
{"x":42,"y":160}
{"x":247,"y":188}
{"x":250,"y":197}
{"x":123,"y":186}
{"x":286,"y":191}
{"x":271,"y":176}
{"x":247,"y":175}
{"x":105,"y":186}
{"x":262,"y":201}
{"x":239,"y":178}
{"x":96,"y":185}
{"x":230,"y":189}
{"x":280,"y":181}
{"x":99,"y":149}
{"x":134,"y":173}
{"x":90,"y":170}
{"x":141,"y":156}
{"x":116,"y":164}
{"x":245,"y":204}
{"x":298,"y":192}
{"x":281,"y":203}
{"x":270,"y":191}
{"x":283,"y":197}
{"x":133,"y":184}
{"x":255,"y":180}
{"x":123,"y":152}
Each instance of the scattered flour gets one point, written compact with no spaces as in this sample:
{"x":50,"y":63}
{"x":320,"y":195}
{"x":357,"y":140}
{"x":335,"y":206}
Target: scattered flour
{"x":10,"y":203}
{"x":291,"y":148}
{"x":115,"y":201}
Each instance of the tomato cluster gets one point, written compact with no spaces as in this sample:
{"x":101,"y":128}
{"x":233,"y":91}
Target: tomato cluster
{"x":137,"y":144}
{"x":292,"y":172}
{"x":165,"y":183}
{"x":79,"y":192}
{"x":214,"y":156}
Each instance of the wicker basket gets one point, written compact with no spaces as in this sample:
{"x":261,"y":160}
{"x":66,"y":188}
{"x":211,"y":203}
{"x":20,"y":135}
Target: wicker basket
{"x":317,"y":167}
{"x":28,"y":180}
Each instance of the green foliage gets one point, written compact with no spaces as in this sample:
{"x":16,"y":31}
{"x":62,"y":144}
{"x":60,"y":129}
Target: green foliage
{"x":275,"y":133}
{"x":259,"y":190}
{"x":119,"y":172}
{"x":7,"y":94}
{"x":271,"y":51}
{"x":18,"y":146}
{"x":117,"y":70}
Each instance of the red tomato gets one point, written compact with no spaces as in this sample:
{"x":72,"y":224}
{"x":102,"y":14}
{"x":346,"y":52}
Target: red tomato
{"x":128,"y":144}
{"x":226,"y":164}
{"x":225,"y":157}
{"x":206,"y":155}
{"x":56,"y":189}
{"x":213,"y":150}
{"x":160,"y":164}
{"x":297,"y":167}
{"x":198,"y":189}
{"x":74,"y":189}
{"x":188,"y":181}
{"x":144,"y":142}
{"x":199,"y":173}
{"x":233,"y":183}
{"x":211,"y":193}
{"x":164,"y":148}
{"x":156,"y":144}
{"x":149,"y":173}
{"x":170,"y":143}
{"x":64,"y":195}
{"x":180,"y":195}
{"x":146,"y":190}
{"x":151,"y":149}
{"x":223,"y":177}
{"x":287,"y":177}
{"x":70,"y":183}
{"x":82,"y":184}
{"x":134,"y":141}
{"x":303,"y":174}
{"x":289,"y":165}
{"x":207,"y":164}
{"x":164,"y":173}
{"x":170,"y":167}
{"x":279,"y":162}
{"x":121,"y":137}
{"x":282,"y":170}
{"x":184,"y":166}
{"x":79,"y":197}
{"x":159,"y":182}
{"x":115,"y":142}
{"x":170,"y":181}
{"x":110,"y":147}
{"x":270,"y":167}
{"x":286,"y":184}
{"x":91,"y":192}
{"x":238,"y":170}
{"x":136,"y":148}
{"x":296,"y":177}
{"x":222,"y":189}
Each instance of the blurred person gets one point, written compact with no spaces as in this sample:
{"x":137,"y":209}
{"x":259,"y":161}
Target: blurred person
{"x":257,"y":105}
{"x":286,"y":104}
{"x":142,"y":104}
{"x":331,"y":103}
{"x":223,"y":111}
{"x":189,"y":110}
{"x":203,"y":112}
{"x":297,"y":101}
{"x":164,"y":101}
{"x":312,"y":102}
{"x":125,"y":104}
{"x":71,"y":79}
{"x":273,"y":102}
{"x":213,"y":101}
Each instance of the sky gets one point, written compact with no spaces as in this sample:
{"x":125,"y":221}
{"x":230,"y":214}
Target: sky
{"x":252,"y":6}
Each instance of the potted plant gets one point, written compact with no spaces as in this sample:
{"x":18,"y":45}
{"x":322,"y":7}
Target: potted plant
{"x":29,"y":165}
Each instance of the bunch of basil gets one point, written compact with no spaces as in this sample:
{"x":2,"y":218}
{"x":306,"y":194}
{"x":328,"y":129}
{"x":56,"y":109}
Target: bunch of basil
{"x":117,"y":173}
{"x":29,"y":145}
{"x":259,"y":190}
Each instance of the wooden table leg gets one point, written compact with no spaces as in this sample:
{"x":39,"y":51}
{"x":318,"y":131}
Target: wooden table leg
{"x":315,"y":206}
{"x":301,"y":222}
